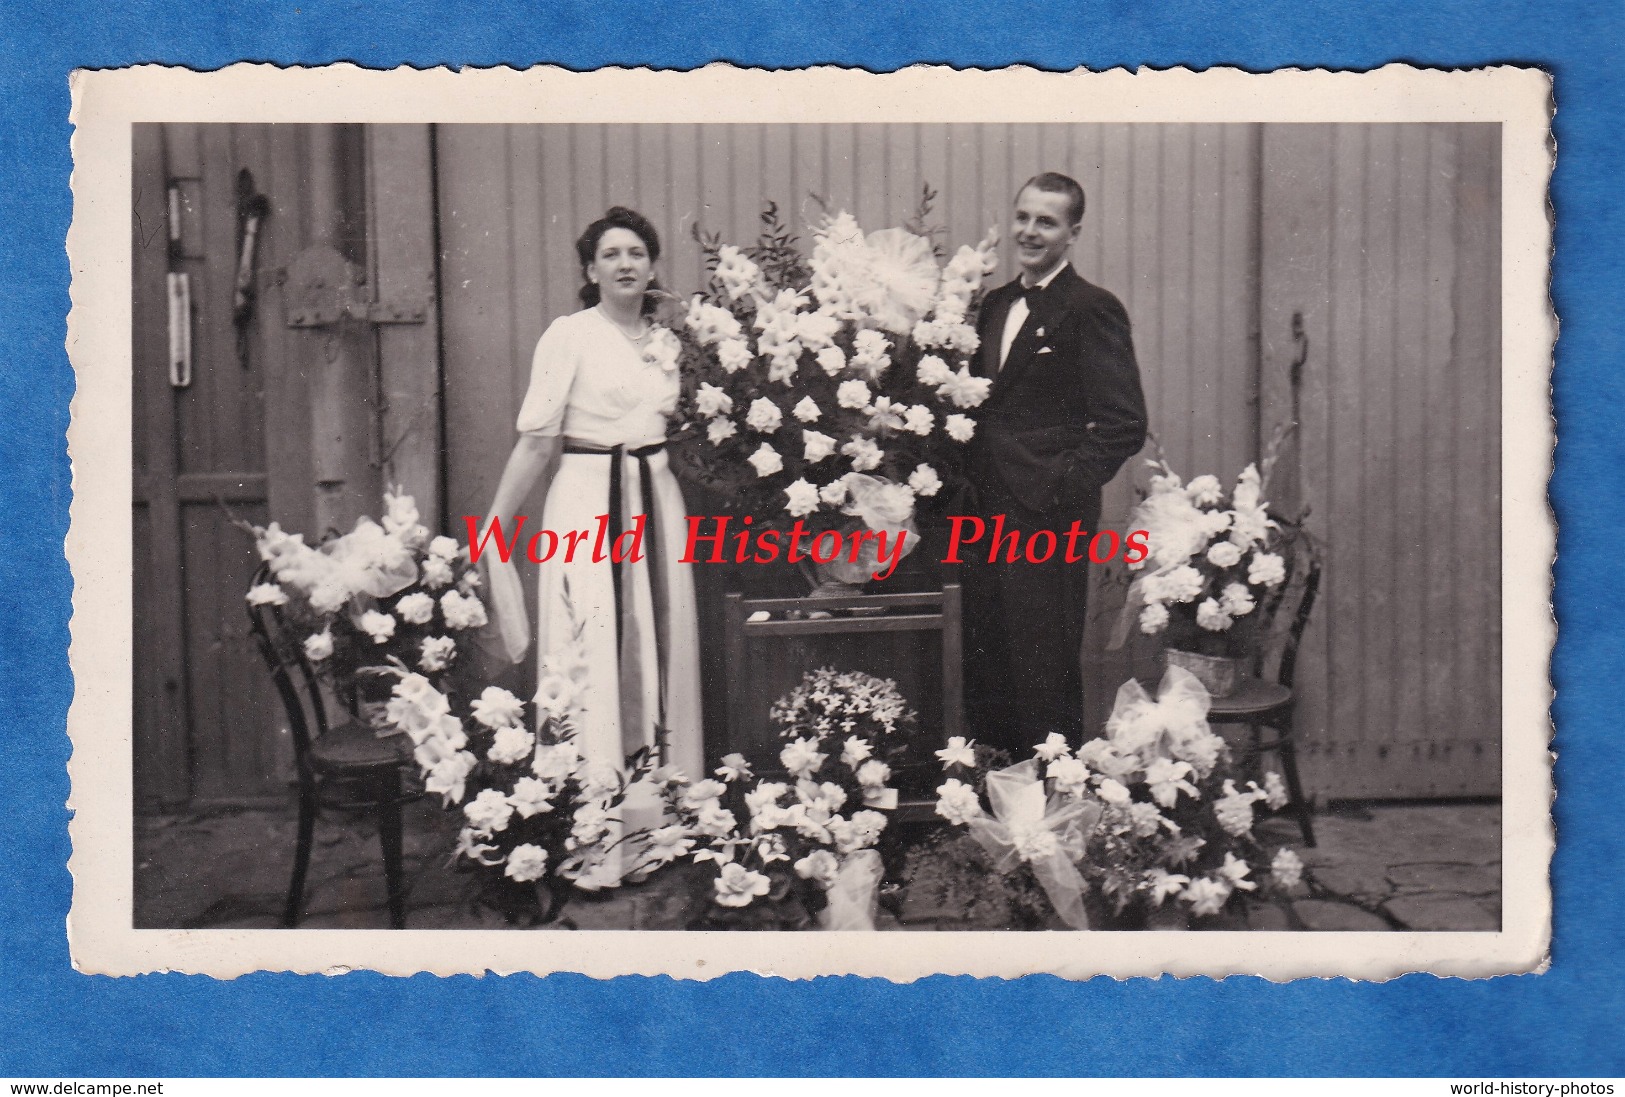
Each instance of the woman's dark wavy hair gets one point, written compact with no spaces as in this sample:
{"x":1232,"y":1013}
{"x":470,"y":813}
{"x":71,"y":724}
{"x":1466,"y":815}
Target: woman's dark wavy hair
{"x":617,"y":217}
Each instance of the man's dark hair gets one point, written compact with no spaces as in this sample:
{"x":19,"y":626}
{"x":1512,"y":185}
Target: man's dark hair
{"x":1055,"y":183}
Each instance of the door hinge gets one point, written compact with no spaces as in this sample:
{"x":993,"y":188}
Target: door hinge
{"x":323,"y":289}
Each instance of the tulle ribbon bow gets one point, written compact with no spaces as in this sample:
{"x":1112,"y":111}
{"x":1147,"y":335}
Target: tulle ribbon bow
{"x":1049,"y":834}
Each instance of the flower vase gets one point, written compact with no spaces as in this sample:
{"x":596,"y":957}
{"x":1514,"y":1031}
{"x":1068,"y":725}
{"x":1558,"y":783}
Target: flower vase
{"x":1219,"y":674}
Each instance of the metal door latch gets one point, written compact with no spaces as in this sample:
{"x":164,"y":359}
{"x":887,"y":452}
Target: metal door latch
{"x":323,"y":289}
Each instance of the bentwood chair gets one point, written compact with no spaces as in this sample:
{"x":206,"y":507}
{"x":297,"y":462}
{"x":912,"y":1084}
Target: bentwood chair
{"x":1266,"y":703}
{"x":342,"y":767}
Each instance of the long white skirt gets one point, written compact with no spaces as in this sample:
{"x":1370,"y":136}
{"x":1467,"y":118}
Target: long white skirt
{"x":621,"y":698}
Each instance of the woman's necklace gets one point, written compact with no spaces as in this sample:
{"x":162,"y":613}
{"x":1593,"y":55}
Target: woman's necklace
{"x":638,"y":337}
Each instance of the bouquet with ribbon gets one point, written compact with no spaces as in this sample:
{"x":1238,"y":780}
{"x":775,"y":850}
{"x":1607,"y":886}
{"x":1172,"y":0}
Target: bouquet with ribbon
{"x":799,"y":846}
{"x":1148,"y":814}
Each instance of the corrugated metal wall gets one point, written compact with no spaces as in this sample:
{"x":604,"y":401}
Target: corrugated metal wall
{"x":1388,"y":242}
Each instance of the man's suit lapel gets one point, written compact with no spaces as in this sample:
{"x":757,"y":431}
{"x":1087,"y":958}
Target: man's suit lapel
{"x":995,"y":309}
{"x":1028,"y":340}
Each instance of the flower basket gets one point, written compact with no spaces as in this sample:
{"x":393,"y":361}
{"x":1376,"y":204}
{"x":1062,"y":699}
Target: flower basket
{"x":1219,"y":674}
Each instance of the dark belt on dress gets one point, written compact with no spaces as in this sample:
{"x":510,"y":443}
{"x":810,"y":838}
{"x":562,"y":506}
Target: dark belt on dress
{"x":657,"y":577}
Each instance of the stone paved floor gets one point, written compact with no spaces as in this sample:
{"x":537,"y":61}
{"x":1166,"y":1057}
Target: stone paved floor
{"x":1386,"y":867}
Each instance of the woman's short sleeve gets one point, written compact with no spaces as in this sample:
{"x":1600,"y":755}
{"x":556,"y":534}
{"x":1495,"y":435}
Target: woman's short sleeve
{"x":552,"y":372}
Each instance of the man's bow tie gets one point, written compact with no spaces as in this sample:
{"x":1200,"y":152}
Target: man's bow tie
{"x":1032,"y":295}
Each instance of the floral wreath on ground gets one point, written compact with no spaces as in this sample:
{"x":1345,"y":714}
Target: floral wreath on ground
{"x":384,"y":594}
{"x":833,"y":391}
{"x":805,"y":845}
{"x":1151,"y":813}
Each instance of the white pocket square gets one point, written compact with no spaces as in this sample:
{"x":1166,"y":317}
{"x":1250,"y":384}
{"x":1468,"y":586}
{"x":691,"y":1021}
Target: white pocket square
{"x":1045,"y":350}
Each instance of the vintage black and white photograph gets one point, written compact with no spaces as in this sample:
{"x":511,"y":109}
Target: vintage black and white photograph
{"x":694,"y":527}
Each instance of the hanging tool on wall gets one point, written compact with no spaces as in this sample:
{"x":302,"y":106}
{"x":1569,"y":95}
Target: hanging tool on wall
{"x":252,"y":210}
{"x":179,"y":288}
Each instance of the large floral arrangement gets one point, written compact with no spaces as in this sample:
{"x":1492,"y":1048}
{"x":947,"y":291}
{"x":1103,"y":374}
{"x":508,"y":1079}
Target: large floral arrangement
{"x":534,"y":810}
{"x":1212,"y":560}
{"x":833,"y":390}
{"x":804,"y":843}
{"x":385,"y":594}
{"x":1151,"y":813}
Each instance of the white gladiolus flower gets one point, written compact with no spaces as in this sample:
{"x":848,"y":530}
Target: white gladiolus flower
{"x":965,"y":389}
{"x":833,"y":493}
{"x":444,"y":547}
{"x":1224,"y":555}
{"x":436,"y":652}
{"x":959,"y":752}
{"x":736,"y":885}
{"x":1266,"y":569}
{"x":1153,"y":618}
{"x":764,"y":416}
{"x":1053,"y":746}
{"x":462,"y":611}
{"x":819,"y":865}
{"x":855,"y":751}
{"x":720,"y":430}
{"x":1113,"y":792}
{"x":710,"y":400}
{"x":497,"y":708}
{"x":511,"y":745}
{"x":957,"y":802}
{"x":1210,"y":616}
{"x":853,"y":394}
{"x":1237,"y":600}
{"x":531,"y":796}
{"x":933,"y":371}
{"x":1204,"y":491}
{"x":807,"y":410}
{"x":733,"y":355}
{"x":832,"y":361}
{"x":380,"y":626}
{"x":319,"y":645}
{"x":924,"y":480}
{"x":436,"y":573}
{"x":1206,"y":895}
{"x":919,"y":420}
{"x":961,"y":428}
{"x":416,"y":608}
{"x":488,"y":812}
{"x":803,"y":498}
{"x":766,"y":460}
{"x":736,"y":272}
{"x":816,"y":446}
{"x":1275,"y":791}
{"x":864,"y":453}
{"x":874,"y":774}
{"x":527,"y":863}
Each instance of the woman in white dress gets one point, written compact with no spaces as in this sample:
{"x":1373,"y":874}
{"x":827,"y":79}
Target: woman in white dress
{"x":592,"y":431}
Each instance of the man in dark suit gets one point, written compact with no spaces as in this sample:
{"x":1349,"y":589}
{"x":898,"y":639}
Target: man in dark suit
{"x":1064,"y":412}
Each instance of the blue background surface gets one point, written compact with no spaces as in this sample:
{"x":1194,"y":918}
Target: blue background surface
{"x":55,"y":1021}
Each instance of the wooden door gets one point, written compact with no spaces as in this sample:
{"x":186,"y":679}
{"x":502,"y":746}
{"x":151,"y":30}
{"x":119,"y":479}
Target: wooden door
{"x":203,"y":712}
{"x":251,"y":438}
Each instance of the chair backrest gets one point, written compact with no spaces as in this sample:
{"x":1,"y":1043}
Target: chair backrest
{"x":295,"y":680}
{"x":1285,"y":612}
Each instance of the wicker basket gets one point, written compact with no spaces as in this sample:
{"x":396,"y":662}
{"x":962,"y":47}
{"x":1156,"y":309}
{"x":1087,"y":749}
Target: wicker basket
{"x":1221,"y":674}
